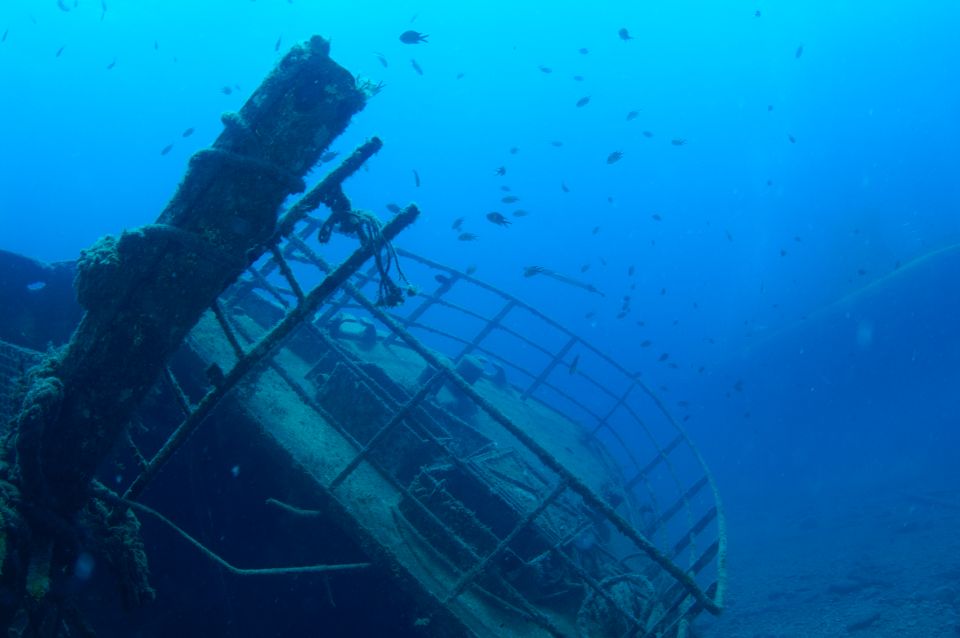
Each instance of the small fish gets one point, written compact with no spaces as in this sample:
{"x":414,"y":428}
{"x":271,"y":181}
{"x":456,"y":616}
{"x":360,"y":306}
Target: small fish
{"x":156,"y":45}
{"x":769,"y":107}
{"x":545,"y":69}
{"x":498,"y":219}
{"x":556,"y":143}
{"x":799,"y":52}
{"x":861,"y":272}
{"x":573,"y":365}
{"x":472,"y":268}
{"x":678,"y":141}
{"x":5,"y":34}
{"x":393,"y":208}
{"x":578,"y":78}
{"x":413,"y":37}
{"x":467,"y":237}
{"x":783,"y":253}
{"x":514,"y":150}
{"x":647,"y":134}
{"x":457,"y":223}
{"x":797,"y":238}
{"x":792,"y":139}
{"x":112,"y":64}
{"x":187,"y":133}
{"x":103,"y":9}
{"x":614,"y":157}
{"x":442,"y":279}
{"x":630,"y":271}
{"x":63,"y":6}
{"x":226,"y":90}
{"x":383,"y":59}
{"x":729,"y":236}
{"x":756,"y":14}
{"x":276,"y":45}
{"x":657,"y":217}
{"x":416,"y":178}
{"x":166,"y":149}
{"x":460,"y":75}
{"x":583,"y":101}
{"x":60,"y":50}
{"x":505,"y":188}
{"x":500,"y":171}
{"x":646,"y":343}
{"x":624,"y":34}
{"x":596,"y":229}
{"x":663,"y":292}
{"x":632,"y":115}
{"x":663,"y":357}
{"x":329,"y":156}
{"x":519,"y":213}
{"x":416,"y":67}
{"x":584,"y":268}
{"x":590,"y":315}
{"x":738,"y":386}
{"x":509,"y":199}
{"x":564,"y":187}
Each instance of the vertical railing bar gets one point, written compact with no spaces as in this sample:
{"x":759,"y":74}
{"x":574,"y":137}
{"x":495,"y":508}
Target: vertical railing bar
{"x":470,"y":575}
{"x":227,"y":330}
{"x":548,"y":369}
{"x":486,"y":330}
{"x":286,"y":272}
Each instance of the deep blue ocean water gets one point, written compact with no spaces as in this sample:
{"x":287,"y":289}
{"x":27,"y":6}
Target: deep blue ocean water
{"x":786,"y":200}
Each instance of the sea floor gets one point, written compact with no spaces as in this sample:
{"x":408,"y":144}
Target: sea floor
{"x":862,"y":562}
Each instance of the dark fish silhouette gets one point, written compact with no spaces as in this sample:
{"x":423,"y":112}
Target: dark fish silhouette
{"x":556,"y":143}
{"x":60,"y":50}
{"x":624,"y":34}
{"x":646,"y":343}
{"x":505,"y":188}
{"x":416,"y":67}
{"x":519,"y":213}
{"x":383,"y":59}
{"x":632,"y":115}
{"x":573,"y":365}
{"x":442,"y":279}
{"x":329,"y":156}
{"x":166,"y":149}
{"x":799,"y":51}
{"x":664,"y":357}
{"x":276,"y":45}
{"x":5,"y":34}
{"x":416,"y":178}
{"x":678,"y":141}
{"x":467,"y":237}
{"x":500,"y":171}
{"x":472,"y":268}
{"x":509,"y":199}
{"x":498,"y":219}
{"x":564,"y":187}
{"x":792,"y":139}
{"x":413,"y":37}
{"x":226,"y":90}
{"x":614,"y":157}
{"x":531,"y":271}
{"x":63,"y":6}
{"x":393,"y":208}
{"x":647,"y":134}
{"x":583,"y":101}
{"x":514,"y":150}
{"x":457,"y":223}
{"x":656,"y":217}
{"x":545,"y":69}
{"x":584,"y":51}
{"x":578,"y":78}
{"x":112,"y":64}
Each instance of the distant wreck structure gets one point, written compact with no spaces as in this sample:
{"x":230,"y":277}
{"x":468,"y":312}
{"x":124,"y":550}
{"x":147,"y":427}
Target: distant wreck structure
{"x":450,"y":458}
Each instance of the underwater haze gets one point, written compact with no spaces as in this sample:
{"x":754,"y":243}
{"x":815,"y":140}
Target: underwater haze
{"x":753,"y":205}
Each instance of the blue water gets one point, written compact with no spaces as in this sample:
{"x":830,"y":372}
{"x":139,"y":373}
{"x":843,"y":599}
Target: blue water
{"x":790,"y":256}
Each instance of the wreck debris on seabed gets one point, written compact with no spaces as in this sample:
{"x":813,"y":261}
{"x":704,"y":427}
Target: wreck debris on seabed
{"x":443,"y":462}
